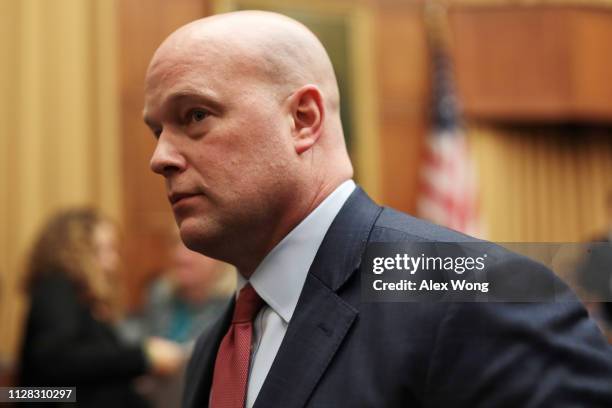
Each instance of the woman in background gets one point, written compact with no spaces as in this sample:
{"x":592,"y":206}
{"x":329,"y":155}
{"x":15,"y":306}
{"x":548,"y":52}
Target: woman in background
{"x":69,"y":338}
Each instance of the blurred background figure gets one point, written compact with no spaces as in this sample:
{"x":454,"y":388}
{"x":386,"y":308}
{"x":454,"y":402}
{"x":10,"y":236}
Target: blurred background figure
{"x":187,"y":298}
{"x":69,"y":337}
{"x":5,"y":366}
{"x":595,"y":275}
{"x":182,"y":302}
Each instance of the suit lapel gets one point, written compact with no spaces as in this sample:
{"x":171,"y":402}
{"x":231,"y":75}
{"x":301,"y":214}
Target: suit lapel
{"x":321,"y":319}
{"x":313,"y":336}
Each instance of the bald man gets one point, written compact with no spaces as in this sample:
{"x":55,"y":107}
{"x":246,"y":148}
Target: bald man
{"x":245,"y":110}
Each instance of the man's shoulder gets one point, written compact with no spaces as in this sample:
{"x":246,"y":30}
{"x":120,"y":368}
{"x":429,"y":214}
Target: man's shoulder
{"x":362,"y":215}
{"x":395,"y":225}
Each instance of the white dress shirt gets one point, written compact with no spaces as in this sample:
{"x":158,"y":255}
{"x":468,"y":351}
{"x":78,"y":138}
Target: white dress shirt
{"x":279,"y":279}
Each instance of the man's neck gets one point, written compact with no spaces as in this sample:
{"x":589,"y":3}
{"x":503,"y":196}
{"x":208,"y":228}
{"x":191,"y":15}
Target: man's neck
{"x":293,"y":219}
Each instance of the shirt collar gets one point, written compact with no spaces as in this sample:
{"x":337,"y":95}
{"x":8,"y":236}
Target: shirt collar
{"x":279,"y":278}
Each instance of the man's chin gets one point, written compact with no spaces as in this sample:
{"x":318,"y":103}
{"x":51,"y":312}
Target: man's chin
{"x":196,"y":237}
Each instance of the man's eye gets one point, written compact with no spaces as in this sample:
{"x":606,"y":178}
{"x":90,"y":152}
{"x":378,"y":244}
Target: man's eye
{"x":197,"y":115}
{"x":157,"y":133}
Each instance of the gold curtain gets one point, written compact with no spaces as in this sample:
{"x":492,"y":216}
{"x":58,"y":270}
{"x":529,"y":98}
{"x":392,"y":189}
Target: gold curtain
{"x":59,"y":142}
{"x":543,"y":184}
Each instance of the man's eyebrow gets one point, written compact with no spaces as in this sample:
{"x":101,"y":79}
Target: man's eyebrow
{"x":186,"y":95}
{"x":195,"y":95}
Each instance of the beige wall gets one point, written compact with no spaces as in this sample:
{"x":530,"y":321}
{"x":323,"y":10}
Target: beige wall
{"x":524,"y":69}
{"x":147,"y":216}
{"x":58,"y":126}
{"x":543,"y":184}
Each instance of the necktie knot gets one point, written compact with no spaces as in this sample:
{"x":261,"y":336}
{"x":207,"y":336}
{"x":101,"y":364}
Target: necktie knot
{"x":247,"y":306}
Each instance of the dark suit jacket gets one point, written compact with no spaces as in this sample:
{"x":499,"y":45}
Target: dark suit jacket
{"x":342,"y":352}
{"x":65,"y":346}
{"x":595,"y":274}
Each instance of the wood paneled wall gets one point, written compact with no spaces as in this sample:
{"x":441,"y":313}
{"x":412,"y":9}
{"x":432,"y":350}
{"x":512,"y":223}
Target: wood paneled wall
{"x":524,"y":71}
{"x":546,"y":62}
{"x":58,"y":129}
{"x":402,"y":71}
{"x":543,"y":184}
{"x":146,"y":213}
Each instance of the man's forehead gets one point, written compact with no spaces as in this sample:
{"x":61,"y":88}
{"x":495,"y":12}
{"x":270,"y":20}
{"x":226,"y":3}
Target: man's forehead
{"x":175,"y":79}
{"x":168,"y":66}
{"x":171,"y":71}
{"x":207,"y":58}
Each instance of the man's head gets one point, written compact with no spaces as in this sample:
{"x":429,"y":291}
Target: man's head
{"x":245,"y":109}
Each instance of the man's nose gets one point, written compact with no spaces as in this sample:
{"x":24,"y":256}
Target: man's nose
{"x":166,"y":158}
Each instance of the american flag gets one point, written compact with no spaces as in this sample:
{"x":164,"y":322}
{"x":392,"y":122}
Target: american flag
{"x":448,"y":191}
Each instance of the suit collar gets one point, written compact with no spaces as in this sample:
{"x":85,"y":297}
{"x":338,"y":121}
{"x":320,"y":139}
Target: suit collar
{"x":279,"y":278}
{"x":321,"y":319}
{"x":344,"y":244}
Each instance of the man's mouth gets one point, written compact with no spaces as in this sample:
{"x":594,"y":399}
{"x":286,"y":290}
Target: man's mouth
{"x":176,"y":197}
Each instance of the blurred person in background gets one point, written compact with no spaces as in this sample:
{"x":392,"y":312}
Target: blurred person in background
{"x":187,"y":298}
{"x":595,"y":275}
{"x":69,"y":336}
{"x":182,"y":303}
{"x":5,"y":364}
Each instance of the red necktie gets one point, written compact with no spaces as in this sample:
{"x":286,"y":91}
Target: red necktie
{"x":234,"y":355}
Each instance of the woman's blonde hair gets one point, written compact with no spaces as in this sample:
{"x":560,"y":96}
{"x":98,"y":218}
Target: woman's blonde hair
{"x":66,"y":246}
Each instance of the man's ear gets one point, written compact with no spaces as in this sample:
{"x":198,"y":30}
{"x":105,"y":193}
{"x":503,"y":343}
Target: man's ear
{"x":307,"y":114}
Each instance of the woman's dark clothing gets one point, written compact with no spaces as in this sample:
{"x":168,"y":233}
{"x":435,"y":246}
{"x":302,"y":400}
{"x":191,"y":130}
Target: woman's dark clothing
{"x":64,"y":345}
